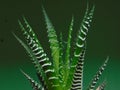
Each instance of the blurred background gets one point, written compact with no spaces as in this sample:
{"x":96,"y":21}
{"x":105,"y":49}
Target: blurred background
{"x":103,"y":39}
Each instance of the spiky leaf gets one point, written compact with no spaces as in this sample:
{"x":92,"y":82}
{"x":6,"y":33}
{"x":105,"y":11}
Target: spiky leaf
{"x":35,"y":61}
{"x":77,"y":83}
{"x":35,"y":85}
{"x":102,"y":86}
{"x":97,"y":76}
{"x":54,"y":44}
{"x":67,"y":53}
{"x":44,"y":62}
{"x":82,"y":34}
{"x":81,"y":37}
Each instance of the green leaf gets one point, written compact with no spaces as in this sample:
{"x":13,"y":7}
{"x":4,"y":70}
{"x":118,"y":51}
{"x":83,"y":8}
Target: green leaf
{"x":54,"y":44}
{"x":67,"y":53}
{"x":61,"y":60}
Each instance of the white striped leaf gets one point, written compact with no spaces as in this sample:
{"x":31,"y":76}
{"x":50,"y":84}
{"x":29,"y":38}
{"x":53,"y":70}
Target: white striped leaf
{"x":35,"y":85}
{"x":97,"y":76}
{"x":43,"y":60}
{"x":34,"y":59}
{"x":102,"y":86}
{"x":82,"y":33}
{"x":77,"y":83}
{"x":54,"y":44}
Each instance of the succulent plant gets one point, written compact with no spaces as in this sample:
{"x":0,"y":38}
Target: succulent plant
{"x":65,"y":70}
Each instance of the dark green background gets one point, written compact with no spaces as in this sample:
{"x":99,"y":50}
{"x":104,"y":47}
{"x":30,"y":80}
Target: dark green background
{"x":103,"y":38}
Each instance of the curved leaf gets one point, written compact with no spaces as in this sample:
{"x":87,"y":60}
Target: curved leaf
{"x":43,"y":60}
{"x":77,"y":83}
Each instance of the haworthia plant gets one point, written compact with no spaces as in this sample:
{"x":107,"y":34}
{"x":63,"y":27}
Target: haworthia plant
{"x":64,"y":71}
